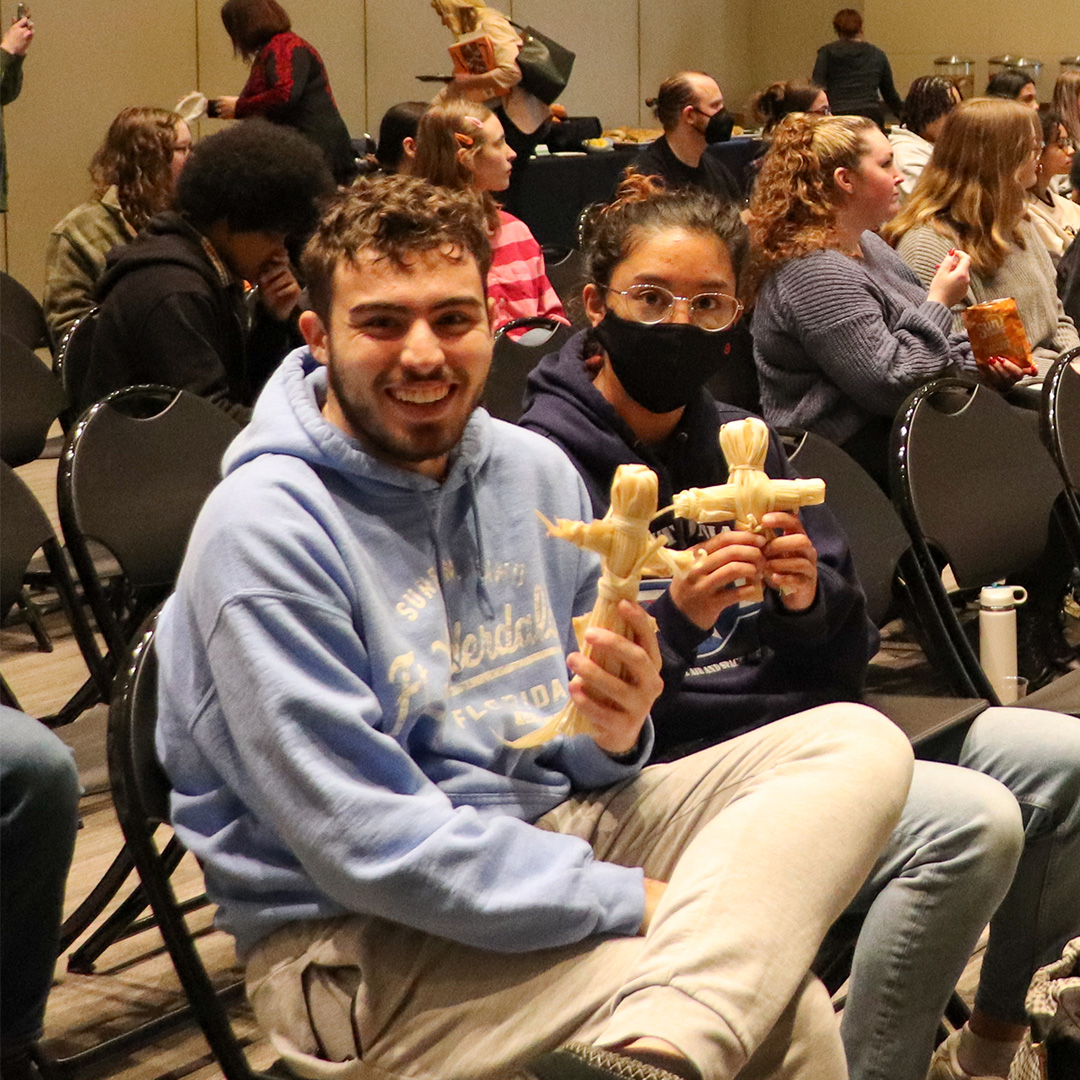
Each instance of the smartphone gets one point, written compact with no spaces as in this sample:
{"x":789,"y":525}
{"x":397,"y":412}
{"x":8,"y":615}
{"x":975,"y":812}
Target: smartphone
{"x":21,"y":12}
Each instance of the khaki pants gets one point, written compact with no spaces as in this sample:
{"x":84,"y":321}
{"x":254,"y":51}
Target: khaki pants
{"x":763,"y":840}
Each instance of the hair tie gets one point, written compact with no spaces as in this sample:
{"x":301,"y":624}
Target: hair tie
{"x":463,"y":139}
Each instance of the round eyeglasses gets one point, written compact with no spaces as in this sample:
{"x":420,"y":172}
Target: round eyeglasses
{"x":652,"y":304}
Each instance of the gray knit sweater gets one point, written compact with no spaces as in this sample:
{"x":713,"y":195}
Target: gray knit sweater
{"x":1027,"y":275}
{"x":839,"y":340}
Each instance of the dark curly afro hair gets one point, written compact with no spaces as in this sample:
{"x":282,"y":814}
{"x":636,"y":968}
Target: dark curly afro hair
{"x":257,"y":177}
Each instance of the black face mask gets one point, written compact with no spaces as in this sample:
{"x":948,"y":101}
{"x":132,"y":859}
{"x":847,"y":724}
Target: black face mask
{"x":719,"y":127}
{"x":662,"y":365}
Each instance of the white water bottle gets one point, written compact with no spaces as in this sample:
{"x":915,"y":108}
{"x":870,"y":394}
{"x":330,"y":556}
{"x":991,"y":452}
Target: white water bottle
{"x":997,"y":638}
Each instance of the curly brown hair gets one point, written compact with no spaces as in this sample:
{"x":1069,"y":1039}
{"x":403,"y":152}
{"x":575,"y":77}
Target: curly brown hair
{"x":136,"y":158}
{"x":394,"y":216}
{"x":795,"y":201}
{"x":969,"y":190}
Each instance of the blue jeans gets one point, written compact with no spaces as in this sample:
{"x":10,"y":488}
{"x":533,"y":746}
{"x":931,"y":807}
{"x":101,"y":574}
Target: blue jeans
{"x":39,"y":799}
{"x":997,"y":841}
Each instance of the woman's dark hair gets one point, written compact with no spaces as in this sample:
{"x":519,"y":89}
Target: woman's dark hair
{"x":1008,"y":83}
{"x":642,"y":205}
{"x":929,"y":98}
{"x":257,"y":177}
{"x":136,"y":157}
{"x":778,"y":99}
{"x":252,"y":23}
{"x":399,"y":122}
{"x":674,"y":95}
{"x":847,"y":22}
{"x":1051,"y":123}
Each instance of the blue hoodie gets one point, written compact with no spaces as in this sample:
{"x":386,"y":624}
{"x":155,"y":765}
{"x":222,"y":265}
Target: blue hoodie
{"x":349,"y":648}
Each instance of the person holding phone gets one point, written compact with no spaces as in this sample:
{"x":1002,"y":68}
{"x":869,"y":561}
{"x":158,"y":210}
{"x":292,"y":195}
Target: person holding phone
{"x":13,"y":49}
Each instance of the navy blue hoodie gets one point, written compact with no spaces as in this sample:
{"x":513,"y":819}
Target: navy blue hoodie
{"x":760,"y":662}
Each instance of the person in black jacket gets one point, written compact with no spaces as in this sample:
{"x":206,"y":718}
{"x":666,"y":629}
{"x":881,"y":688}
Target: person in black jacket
{"x":664,"y":270}
{"x":728,"y":666}
{"x":172,"y":308}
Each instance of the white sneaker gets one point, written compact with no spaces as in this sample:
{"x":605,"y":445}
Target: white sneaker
{"x":944,"y":1065}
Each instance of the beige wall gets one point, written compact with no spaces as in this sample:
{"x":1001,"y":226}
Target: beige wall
{"x":90,"y":59}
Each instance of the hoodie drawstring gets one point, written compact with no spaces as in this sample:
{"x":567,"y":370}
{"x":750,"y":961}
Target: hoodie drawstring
{"x":482,"y":595}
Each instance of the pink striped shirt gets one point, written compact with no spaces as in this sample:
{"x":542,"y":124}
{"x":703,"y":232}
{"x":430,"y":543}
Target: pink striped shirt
{"x":518,"y":280}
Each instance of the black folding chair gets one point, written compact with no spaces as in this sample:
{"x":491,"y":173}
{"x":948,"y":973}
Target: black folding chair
{"x":140,"y":793}
{"x":21,"y":315}
{"x":1060,"y":424}
{"x":513,"y":360}
{"x":32,"y":399}
{"x":25,"y":530}
{"x":566,"y":272}
{"x":974,"y":483}
{"x":135,"y":472}
{"x":885,"y":564}
{"x":72,"y":364}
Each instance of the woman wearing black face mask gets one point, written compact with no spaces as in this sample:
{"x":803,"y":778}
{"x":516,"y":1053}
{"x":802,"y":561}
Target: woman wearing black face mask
{"x":664,"y":268}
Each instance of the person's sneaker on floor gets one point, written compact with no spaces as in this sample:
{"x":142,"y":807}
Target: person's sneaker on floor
{"x":945,"y":1064}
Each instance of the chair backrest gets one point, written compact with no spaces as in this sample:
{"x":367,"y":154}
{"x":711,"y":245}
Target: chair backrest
{"x":31,"y":400}
{"x":140,"y":786}
{"x":972,"y":477}
{"x":21,"y":315}
{"x":140,"y":792}
{"x":876,"y":535}
{"x":135,"y":472}
{"x":1061,"y":416}
{"x":73,"y":365}
{"x":513,"y":360}
{"x":566,"y":272}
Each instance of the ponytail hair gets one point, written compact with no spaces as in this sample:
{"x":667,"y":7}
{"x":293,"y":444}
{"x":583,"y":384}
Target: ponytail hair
{"x":779,"y":99}
{"x":446,"y":136}
{"x":795,"y":200}
{"x":644,"y":206}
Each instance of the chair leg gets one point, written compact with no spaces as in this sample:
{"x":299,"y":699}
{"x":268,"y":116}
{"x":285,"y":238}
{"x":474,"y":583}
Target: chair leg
{"x":76,"y":923}
{"x":122,"y":923}
{"x":33,"y":620}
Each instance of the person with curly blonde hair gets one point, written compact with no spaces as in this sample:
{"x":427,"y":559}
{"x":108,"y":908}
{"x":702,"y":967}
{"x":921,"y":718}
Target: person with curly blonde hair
{"x":973,"y":194}
{"x":134,"y":173}
{"x":461,"y":145}
{"x":844,"y":330}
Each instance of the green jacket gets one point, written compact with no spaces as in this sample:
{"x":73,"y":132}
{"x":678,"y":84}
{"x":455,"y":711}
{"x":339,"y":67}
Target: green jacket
{"x":75,"y":260}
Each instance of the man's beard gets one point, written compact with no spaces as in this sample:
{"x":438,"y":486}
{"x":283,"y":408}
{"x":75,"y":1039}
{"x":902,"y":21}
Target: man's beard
{"x":424,"y":442}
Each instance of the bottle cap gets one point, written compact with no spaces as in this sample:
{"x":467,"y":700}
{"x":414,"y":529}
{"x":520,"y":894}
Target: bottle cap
{"x":1001,"y":597}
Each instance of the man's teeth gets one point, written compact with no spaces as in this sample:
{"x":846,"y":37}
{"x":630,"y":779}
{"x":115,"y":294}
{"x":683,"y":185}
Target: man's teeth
{"x":420,"y":395}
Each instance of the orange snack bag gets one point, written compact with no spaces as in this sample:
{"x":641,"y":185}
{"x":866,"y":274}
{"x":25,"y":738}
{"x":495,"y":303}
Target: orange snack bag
{"x":995,"y":329}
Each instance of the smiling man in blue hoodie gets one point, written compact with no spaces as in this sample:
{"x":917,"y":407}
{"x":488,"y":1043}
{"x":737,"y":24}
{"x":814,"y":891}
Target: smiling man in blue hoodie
{"x":368,"y":614}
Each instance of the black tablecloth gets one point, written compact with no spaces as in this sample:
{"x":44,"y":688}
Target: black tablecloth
{"x":554,"y":190}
